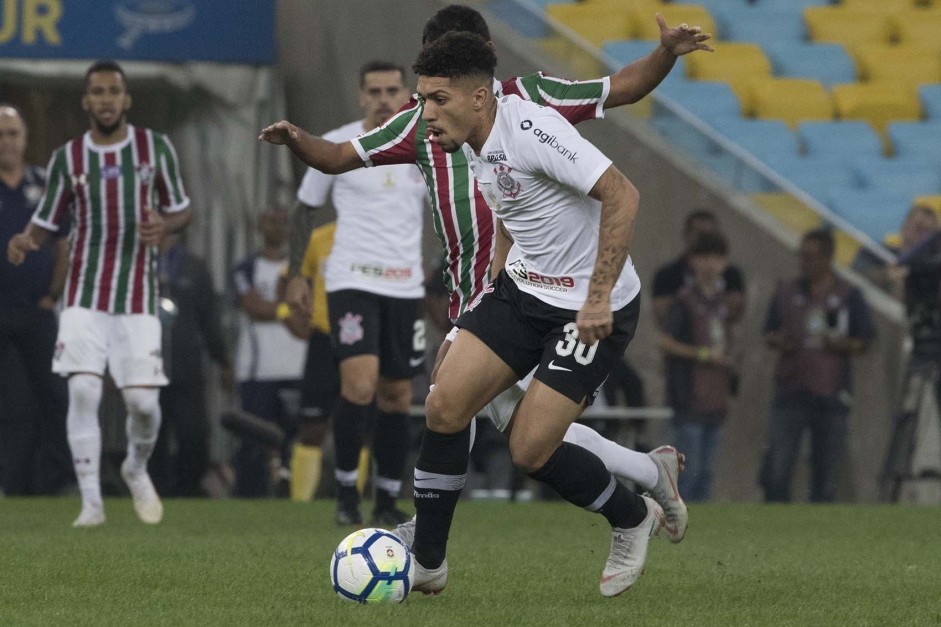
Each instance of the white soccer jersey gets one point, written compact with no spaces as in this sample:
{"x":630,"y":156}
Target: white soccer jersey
{"x":535,"y":171}
{"x":377,"y":246}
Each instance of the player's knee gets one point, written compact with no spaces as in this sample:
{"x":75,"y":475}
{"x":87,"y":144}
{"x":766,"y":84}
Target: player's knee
{"x":142,"y":402}
{"x":442,"y":416}
{"x":358,"y":392}
{"x":395,"y":399}
{"x":527,"y":458}
{"x":85,"y":393}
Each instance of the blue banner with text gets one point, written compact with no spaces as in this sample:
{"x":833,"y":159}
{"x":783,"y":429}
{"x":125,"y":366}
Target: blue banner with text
{"x":228,"y":31}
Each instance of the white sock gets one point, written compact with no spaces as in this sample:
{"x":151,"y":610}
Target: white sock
{"x":84,"y":435}
{"x":143,"y":424}
{"x":620,"y":461}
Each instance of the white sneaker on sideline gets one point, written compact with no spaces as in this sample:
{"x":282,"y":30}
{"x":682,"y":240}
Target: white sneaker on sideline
{"x":430,"y":581}
{"x":629,"y":551}
{"x":146,"y":501}
{"x":90,"y":516}
{"x":669,"y":463}
{"x":405,"y":532}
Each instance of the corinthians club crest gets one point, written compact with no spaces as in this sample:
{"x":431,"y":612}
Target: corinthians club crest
{"x":506,"y":183}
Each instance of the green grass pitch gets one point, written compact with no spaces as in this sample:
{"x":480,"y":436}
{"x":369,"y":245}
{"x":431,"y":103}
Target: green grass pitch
{"x":266,"y":563}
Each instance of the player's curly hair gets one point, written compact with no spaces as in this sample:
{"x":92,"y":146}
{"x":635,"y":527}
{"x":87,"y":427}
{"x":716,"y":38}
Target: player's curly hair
{"x":455,"y":17}
{"x":456,"y":55}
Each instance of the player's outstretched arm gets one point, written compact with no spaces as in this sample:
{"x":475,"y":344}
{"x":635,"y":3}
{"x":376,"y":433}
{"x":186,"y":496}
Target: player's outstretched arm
{"x":31,"y":239}
{"x":619,"y":200}
{"x":638,"y":79}
{"x":318,"y":153}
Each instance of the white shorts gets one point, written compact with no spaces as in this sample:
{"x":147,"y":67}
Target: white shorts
{"x":129,"y":345}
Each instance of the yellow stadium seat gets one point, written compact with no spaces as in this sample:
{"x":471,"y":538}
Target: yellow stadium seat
{"x":876,"y":103}
{"x":847,"y":26}
{"x":882,"y":6}
{"x":920,"y":27}
{"x":596,"y":23}
{"x":793,"y":215}
{"x":845,"y":248}
{"x":674,"y":14}
{"x":933,"y":201}
{"x":793,"y":100}
{"x":738,"y":64}
{"x":904,"y":63}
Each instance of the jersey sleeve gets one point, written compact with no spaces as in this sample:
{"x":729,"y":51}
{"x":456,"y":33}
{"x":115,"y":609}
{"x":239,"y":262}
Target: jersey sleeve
{"x":394,"y":142}
{"x":576,"y":101}
{"x":58,"y":195}
{"x":169,"y":182}
{"x":315,"y":188}
{"x":551,"y":146}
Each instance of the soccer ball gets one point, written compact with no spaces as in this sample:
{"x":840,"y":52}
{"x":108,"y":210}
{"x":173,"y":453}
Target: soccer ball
{"x":372,"y":566}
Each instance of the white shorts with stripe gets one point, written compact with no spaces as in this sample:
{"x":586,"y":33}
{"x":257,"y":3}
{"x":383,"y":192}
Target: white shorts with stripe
{"x":128,"y":345}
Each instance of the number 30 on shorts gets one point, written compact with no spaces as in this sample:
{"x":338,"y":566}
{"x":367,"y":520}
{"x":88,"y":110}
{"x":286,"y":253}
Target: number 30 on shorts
{"x":570,"y":344}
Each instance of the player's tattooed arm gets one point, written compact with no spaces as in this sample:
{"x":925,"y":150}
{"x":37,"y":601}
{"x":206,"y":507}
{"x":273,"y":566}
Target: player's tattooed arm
{"x":619,"y":201}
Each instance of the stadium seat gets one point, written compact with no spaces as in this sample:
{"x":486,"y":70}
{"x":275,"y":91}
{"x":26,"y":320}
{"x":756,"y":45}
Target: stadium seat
{"x":933,"y":201}
{"x":930,"y":98}
{"x":828,"y":63}
{"x":905,"y":175}
{"x":792,"y":100}
{"x":873,"y":212}
{"x":905,"y":63}
{"x":878,"y":104}
{"x":792,"y":213}
{"x":674,"y":14}
{"x":919,"y":27}
{"x":848,"y":27}
{"x":793,"y":5}
{"x":761,"y":26}
{"x":768,"y":140}
{"x":596,"y":23}
{"x":882,"y":6}
{"x":519,"y":18}
{"x":817,"y":176}
{"x":738,"y":64}
{"x":843,"y":139}
{"x":916,"y":139}
{"x":706,"y":99}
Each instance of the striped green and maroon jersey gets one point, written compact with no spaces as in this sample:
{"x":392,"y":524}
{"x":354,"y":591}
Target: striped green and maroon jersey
{"x":107,"y":190}
{"x":462,"y":219}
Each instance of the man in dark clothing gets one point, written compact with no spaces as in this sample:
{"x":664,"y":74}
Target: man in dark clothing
{"x":816,"y":322}
{"x":671,"y":277}
{"x":190,"y":313}
{"x":35,"y":454}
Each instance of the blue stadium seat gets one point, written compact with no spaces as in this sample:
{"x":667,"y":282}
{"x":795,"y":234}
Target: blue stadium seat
{"x":816,"y":176}
{"x":761,"y":26}
{"x":792,"y":5}
{"x":930,"y":96}
{"x":848,"y":139}
{"x":520,"y":19}
{"x":874,"y":212}
{"x":766,"y":139}
{"x":828,"y":63}
{"x":905,"y":175}
{"x":917,"y":140}
{"x":707,"y":99}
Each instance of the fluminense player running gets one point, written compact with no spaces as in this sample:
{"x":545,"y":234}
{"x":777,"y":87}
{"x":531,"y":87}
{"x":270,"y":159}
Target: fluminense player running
{"x":466,"y":226}
{"x":566,"y":305}
{"x":122,"y":185}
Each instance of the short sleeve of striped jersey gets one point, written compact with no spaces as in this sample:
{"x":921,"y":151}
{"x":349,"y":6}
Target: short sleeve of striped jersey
{"x":577,"y":101}
{"x":57,"y":197}
{"x":169,"y":181}
{"x":393,"y":142}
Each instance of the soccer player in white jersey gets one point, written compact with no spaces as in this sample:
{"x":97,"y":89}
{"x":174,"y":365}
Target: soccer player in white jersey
{"x":122,"y":185}
{"x":566,"y":304}
{"x":374,"y":281}
{"x":466,"y":225}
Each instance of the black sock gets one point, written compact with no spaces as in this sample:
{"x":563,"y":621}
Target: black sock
{"x":391,"y":433}
{"x":580,"y":477}
{"x":348,"y":421}
{"x":440,"y":474}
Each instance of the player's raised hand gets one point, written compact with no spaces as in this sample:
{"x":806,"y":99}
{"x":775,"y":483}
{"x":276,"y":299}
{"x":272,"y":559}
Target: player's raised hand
{"x":595,"y":322}
{"x":152,"y":228}
{"x":19,"y":246}
{"x":682,"y":39}
{"x":279,"y":133}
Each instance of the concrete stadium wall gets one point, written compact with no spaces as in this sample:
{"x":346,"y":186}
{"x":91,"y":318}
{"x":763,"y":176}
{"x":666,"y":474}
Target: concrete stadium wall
{"x":322,"y":46}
